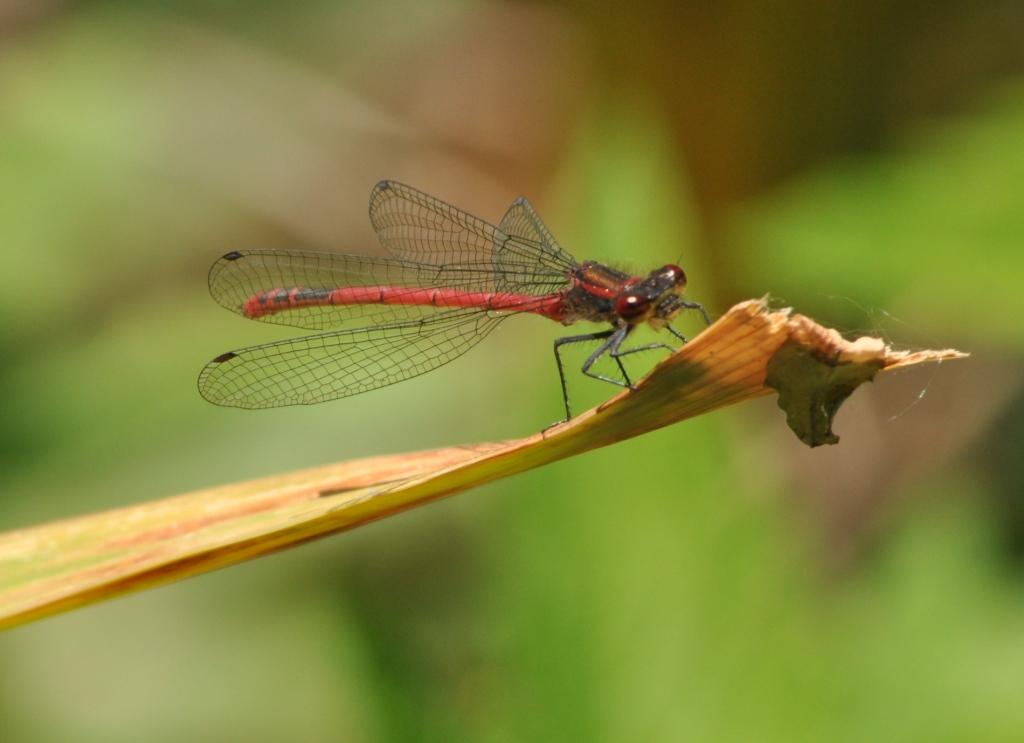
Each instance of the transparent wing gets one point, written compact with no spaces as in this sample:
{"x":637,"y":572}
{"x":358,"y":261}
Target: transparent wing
{"x":437,"y":247}
{"x":242,"y":277}
{"x":417,"y":227}
{"x":317,"y":368}
{"x":522,"y":223}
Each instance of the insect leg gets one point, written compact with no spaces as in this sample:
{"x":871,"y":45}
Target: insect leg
{"x":696,"y":306}
{"x":676,"y":333}
{"x":600,"y":335}
{"x":617,"y":354}
{"x":615,"y":339}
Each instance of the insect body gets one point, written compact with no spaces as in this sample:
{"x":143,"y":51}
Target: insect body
{"x":451,"y":280}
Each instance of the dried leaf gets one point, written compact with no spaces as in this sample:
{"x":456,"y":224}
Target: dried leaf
{"x":745,"y":354}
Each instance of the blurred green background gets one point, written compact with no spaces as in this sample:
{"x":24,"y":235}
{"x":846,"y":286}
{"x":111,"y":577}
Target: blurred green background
{"x":861,"y":161}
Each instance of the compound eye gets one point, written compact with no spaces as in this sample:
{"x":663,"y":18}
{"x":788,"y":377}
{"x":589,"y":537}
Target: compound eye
{"x":674,"y":273}
{"x":629,"y":306}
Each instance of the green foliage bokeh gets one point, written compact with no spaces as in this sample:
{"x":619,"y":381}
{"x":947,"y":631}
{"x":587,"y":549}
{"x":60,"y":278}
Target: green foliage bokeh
{"x":675,"y":587}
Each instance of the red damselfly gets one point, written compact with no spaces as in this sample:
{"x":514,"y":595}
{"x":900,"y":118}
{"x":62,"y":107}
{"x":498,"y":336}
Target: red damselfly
{"x":452,"y":279}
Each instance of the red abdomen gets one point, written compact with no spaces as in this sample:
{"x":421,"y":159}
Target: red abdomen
{"x":272,"y":301}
